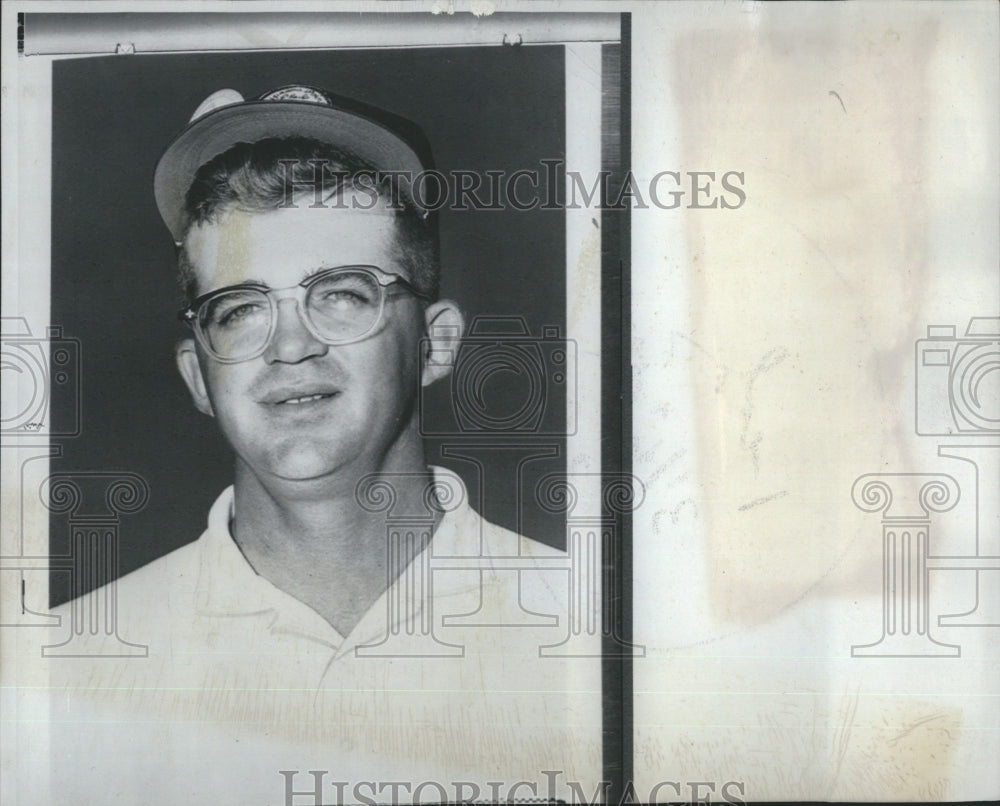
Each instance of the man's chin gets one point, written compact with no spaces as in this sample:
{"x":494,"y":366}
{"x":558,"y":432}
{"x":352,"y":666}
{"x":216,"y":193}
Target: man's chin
{"x":303,"y":463}
{"x":305,"y":471}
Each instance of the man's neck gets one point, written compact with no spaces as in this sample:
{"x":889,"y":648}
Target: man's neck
{"x":322,"y":545}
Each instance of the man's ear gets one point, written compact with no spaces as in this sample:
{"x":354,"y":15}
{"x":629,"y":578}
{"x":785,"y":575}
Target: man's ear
{"x":443,"y":328}
{"x":190,"y":369}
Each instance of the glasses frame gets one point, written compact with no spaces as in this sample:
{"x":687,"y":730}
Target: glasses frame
{"x":383,"y":279}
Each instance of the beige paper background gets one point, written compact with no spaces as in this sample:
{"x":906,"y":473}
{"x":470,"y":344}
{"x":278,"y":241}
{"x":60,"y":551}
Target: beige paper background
{"x":773,"y":363}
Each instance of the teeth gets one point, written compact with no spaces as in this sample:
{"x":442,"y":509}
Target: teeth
{"x":305,"y":399}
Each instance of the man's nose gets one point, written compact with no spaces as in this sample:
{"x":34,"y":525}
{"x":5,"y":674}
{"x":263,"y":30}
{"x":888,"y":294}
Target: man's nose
{"x":292,"y":342}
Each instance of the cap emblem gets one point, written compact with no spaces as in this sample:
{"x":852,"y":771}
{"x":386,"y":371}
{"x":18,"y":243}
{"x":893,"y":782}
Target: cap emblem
{"x":308,"y":94}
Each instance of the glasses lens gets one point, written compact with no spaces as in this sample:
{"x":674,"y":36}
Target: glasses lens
{"x":344,"y":305}
{"x":236,"y":323}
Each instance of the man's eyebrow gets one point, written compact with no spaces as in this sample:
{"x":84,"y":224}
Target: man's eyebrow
{"x":248,"y":281}
{"x":242,"y":284}
{"x":321,"y":268}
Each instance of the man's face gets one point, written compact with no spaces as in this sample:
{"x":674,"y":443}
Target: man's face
{"x":305,"y":409}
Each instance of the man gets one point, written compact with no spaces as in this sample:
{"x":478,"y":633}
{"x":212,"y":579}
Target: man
{"x":345,"y":609}
{"x":318,"y":394}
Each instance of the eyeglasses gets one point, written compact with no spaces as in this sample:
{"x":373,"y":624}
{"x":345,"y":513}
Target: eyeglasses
{"x":338,"y":306}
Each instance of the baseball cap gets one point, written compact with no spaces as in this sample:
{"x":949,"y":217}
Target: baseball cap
{"x":386,"y":141}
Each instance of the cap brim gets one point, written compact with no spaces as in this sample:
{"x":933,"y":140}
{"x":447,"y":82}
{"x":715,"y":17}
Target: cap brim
{"x":251,"y":121}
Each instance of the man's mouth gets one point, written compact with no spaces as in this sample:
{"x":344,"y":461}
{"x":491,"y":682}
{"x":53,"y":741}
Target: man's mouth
{"x":291,"y":396}
{"x":294,"y":401}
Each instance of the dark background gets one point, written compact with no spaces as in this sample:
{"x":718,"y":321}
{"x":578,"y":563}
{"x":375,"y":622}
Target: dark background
{"x":499,"y":108}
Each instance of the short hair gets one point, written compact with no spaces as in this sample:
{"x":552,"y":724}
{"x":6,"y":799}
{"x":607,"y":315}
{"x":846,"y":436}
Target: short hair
{"x":262,"y":176}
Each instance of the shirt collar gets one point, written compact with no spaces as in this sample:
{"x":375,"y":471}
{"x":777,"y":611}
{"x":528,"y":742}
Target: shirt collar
{"x":228,"y":586}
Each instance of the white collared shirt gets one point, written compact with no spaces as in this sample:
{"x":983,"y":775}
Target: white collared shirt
{"x":243,"y":680}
